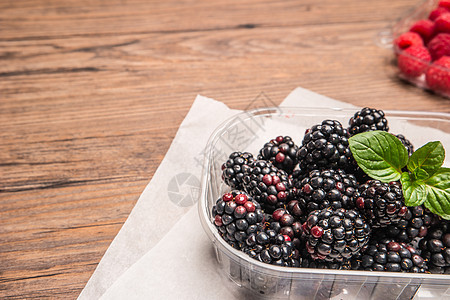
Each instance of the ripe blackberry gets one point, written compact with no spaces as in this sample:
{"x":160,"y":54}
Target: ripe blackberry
{"x":236,"y":216}
{"x":381,"y":203}
{"x":407,"y":143}
{"x":389,"y":255}
{"x":414,"y":224}
{"x":235,"y":167}
{"x":271,"y":247}
{"x":435,"y":248}
{"x":286,"y":224}
{"x":326,"y":188}
{"x":325,"y":146}
{"x":268,"y":185}
{"x":335,"y":235}
{"x":307,"y":262}
{"x":295,"y":209}
{"x":281,"y":152}
{"x":367,"y":119}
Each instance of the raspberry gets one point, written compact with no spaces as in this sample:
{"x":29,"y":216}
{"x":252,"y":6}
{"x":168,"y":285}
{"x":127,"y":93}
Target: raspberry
{"x":408,"y":39}
{"x":413,"y":61}
{"x":436,"y":13}
{"x":444,"y":4}
{"x":425,"y":28}
{"x":438,"y":75}
{"x":442,"y":24}
{"x":439,"y":46}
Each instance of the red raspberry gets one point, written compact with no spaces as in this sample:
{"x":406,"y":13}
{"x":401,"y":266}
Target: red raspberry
{"x":425,"y":28}
{"x":438,"y":75}
{"x":408,"y":39}
{"x":413,"y":61}
{"x":439,"y":46}
{"x":436,"y":13}
{"x":444,"y":3}
{"x":442,"y":24}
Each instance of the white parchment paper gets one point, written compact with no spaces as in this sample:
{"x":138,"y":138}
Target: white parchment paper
{"x":170,"y":194}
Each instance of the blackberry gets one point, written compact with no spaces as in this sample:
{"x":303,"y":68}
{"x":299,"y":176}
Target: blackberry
{"x":234,"y":169}
{"x":436,"y":248}
{"x":326,"y":188}
{"x":335,"y":235}
{"x":407,"y":143}
{"x":391,"y":256}
{"x":413,"y":225}
{"x":281,"y":152}
{"x":325,"y":146}
{"x":271,"y":247}
{"x":367,"y":119}
{"x":295,"y":209}
{"x":285,"y":223}
{"x":268,"y":185}
{"x":381,"y":203}
{"x":307,"y":262}
{"x":236,"y":216}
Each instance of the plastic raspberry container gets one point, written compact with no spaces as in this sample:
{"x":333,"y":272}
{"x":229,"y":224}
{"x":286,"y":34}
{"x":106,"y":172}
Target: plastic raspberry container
{"x":387,"y":37}
{"x":248,"y":278}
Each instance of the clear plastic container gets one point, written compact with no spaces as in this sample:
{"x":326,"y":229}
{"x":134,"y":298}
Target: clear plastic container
{"x":249,"y":278}
{"x":386,"y":37}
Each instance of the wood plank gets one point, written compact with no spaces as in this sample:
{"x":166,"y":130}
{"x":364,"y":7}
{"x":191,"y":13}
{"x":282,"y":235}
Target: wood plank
{"x":47,"y":19}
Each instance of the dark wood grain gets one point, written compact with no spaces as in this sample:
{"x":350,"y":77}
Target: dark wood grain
{"x":92,"y":94}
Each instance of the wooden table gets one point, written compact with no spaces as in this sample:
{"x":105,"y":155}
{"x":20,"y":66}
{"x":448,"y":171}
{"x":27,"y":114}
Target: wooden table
{"x":93,"y":92}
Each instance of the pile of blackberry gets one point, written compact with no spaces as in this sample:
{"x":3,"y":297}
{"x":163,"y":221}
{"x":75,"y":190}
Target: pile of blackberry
{"x":311,"y":206}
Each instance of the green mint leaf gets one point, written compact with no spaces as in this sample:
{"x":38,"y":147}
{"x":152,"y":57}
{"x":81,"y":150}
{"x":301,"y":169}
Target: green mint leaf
{"x":420,"y":174}
{"x":438,"y":193}
{"x":414,"y":192}
{"x":379,"y":154}
{"x":426,"y":160}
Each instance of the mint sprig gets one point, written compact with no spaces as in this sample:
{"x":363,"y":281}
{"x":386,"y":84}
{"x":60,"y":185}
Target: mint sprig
{"x":383,"y":157}
{"x":379,"y":154}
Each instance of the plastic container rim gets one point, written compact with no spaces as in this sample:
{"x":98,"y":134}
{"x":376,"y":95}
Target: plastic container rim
{"x":214,"y":236}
